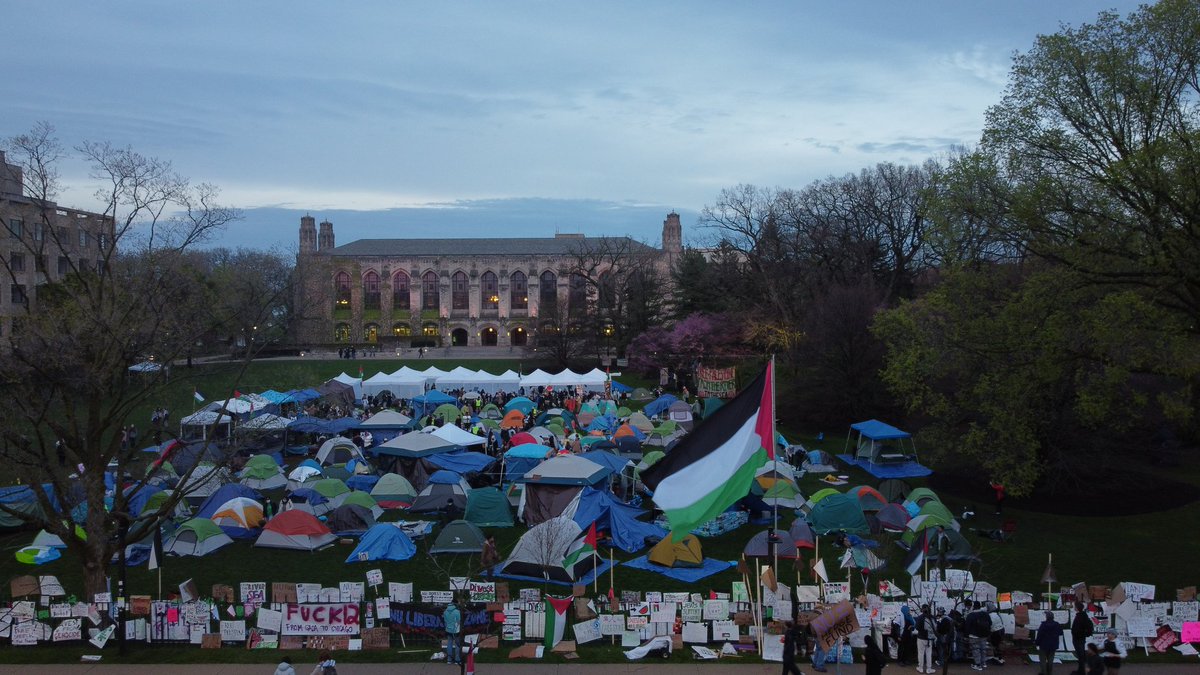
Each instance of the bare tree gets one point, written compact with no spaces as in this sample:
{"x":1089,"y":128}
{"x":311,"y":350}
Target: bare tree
{"x":67,"y":391}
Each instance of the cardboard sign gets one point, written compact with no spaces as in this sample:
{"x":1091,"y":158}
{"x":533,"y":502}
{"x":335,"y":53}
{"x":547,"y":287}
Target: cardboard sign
{"x":291,"y":642}
{"x":724,"y":630}
{"x":1164,"y":639}
{"x":716,"y":609}
{"x":437,"y":597}
{"x":482,"y":591}
{"x":502,"y":592}
{"x":692,"y":611}
{"x":139,"y":605}
{"x":210,"y":641}
{"x":282,"y":593}
{"x":188,"y":591}
{"x":583,"y":609}
{"x":331,"y":643}
{"x":835,"y":623}
{"x":51,"y":586}
{"x":695,"y":632}
{"x":398,"y":592}
{"x":376,"y":639}
{"x":254,"y":593}
{"x":233,"y":631}
{"x":68,"y":630}
{"x":374,"y":577}
{"x":23,"y":586}
{"x":324,"y":619}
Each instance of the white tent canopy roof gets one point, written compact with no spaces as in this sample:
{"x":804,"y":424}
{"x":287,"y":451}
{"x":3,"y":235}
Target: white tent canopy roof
{"x":458,"y":436}
{"x":354,"y":382}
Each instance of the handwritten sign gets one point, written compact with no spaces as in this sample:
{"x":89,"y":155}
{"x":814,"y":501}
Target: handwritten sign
{"x":269,"y":619}
{"x":1191,"y":631}
{"x":612,"y":624}
{"x":437,"y":597}
{"x":692,"y":611}
{"x":716,"y":609}
{"x":837,"y":591}
{"x":587,"y":631}
{"x":254,"y":593}
{"x":351,"y":591}
{"x":68,"y":630}
{"x":282,"y":592}
{"x":1164,"y":639}
{"x":374,"y":577}
{"x":398,"y":592}
{"x":835,"y":623}
{"x":482,"y":591}
{"x":324,"y":619}
{"x":233,"y":631}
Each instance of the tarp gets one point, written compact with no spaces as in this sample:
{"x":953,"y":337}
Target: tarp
{"x":316,"y":425}
{"x":566,"y":470}
{"x":384,"y":541}
{"x":659,"y":405}
{"x":620,"y":520}
{"x":488,"y":507}
{"x":430,"y":400}
{"x":879,"y":431}
{"x":709,"y":567}
{"x":464,"y":463}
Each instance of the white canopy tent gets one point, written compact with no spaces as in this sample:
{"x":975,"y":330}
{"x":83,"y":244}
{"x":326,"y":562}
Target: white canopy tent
{"x":354,"y":382}
{"x":198,"y":425}
{"x":538,"y":378}
{"x":266,"y":421}
{"x":401,"y":385}
{"x":458,"y":436}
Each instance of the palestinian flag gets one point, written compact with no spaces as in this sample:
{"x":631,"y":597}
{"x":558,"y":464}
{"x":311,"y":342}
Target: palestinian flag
{"x":583,"y":549}
{"x":556,"y":619}
{"x":713,"y":467}
{"x":916,"y":553}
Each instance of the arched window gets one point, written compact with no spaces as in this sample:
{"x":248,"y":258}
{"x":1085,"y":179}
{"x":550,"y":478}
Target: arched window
{"x":341,"y":332}
{"x":548,"y":293}
{"x":577,"y":294}
{"x":608,"y":290}
{"x":489,"y":291}
{"x":518,"y":285}
{"x":402,"y":330}
{"x":341,"y":289}
{"x":460,"y":297}
{"x":429,"y":290}
{"x":371,"y":332}
{"x":430,"y":329}
{"x":371,"y":290}
{"x":399,"y":290}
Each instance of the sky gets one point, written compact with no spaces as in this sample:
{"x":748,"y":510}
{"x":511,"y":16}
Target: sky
{"x":515,"y":118}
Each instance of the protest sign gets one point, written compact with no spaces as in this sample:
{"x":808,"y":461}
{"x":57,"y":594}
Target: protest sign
{"x":482,"y":591}
{"x":323,"y":619}
{"x":1191,"y":631}
{"x":695,"y":632}
{"x":374,"y":577}
{"x":254,"y":593}
{"x":1164,"y":639}
{"x":587,"y":631}
{"x":233,"y":631}
{"x":425,"y":618}
{"x":269,"y":619}
{"x":68,"y":630}
{"x":612,"y":624}
{"x":835,"y":623}
{"x":400,"y":592}
{"x":282,"y":593}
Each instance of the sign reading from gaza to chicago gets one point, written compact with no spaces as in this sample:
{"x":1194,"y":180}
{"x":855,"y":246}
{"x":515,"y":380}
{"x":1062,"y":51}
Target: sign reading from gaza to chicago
{"x":332,"y":619}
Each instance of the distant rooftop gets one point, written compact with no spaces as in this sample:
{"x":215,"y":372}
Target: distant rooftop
{"x":562,"y":244}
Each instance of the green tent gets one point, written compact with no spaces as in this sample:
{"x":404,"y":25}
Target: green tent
{"x":641,"y":394}
{"x":488,"y":507}
{"x":838,"y":513}
{"x":783,"y":493}
{"x":623,"y":412}
{"x":198,"y":536}
{"x":261,"y":462}
{"x":448,"y":412}
{"x":360,"y":498}
{"x":712,"y":405}
{"x":821,"y":494}
{"x":490,"y":423}
{"x":938,"y":510}
{"x":920,"y":523}
{"x":665,"y":429}
{"x":329,"y":487}
{"x":393,"y":489}
{"x":491,"y":411}
{"x":556,"y":429}
{"x":458,"y":537}
{"x":921,"y":495}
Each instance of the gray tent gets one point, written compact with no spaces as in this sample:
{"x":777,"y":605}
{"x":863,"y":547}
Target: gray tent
{"x":435,"y":496}
{"x":349,"y":519}
{"x":552,"y":488}
{"x":488,"y":507}
{"x":552,"y":550}
{"x":458,"y":537}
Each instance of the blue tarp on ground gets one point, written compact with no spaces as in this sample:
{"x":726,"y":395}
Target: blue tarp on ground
{"x":383,"y":541}
{"x":601,"y":567}
{"x":658,"y":405}
{"x":316,"y":425}
{"x":618,"y":519}
{"x":462,"y":462}
{"x":878,"y":431}
{"x":688,"y":574}
{"x":889,"y":470}
{"x":224,"y":494}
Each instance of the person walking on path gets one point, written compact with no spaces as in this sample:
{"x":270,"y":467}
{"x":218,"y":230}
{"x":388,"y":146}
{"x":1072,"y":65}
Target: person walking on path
{"x":926,"y":634}
{"x":325,"y":665}
{"x":790,"y":636}
{"x":452,"y":618}
{"x":285,"y":667}
{"x":874,"y":658}
{"x":1049,"y":635}
{"x":1082,"y":628}
{"x":1113,"y":653}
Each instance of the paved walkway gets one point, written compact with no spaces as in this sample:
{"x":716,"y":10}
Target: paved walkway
{"x":641,"y":667}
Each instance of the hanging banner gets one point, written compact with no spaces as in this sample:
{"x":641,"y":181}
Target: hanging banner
{"x":716,"y":382}
{"x":413,"y":617}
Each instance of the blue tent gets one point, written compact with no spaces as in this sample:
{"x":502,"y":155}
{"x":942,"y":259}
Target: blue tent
{"x":522,"y":458}
{"x":462,"y":462}
{"x":311,"y":463}
{"x":879,"y":431}
{"x":136,"y":501}
{"x":619,"y":388}
{"x":608,"y":460}
{"x":519,"y":403}
{"x":628,"y":445}
{"x":384,"y":541}
{"x":658,"y":405}
{"x":444,"y":477}
{"x":224,"y":494}
{"x":620,"y":520}
{"x":429,"y":401}
{"x":603,"y":423}
{"x":316,"y":425}
{"x":309,"y":496}
{"x":302,"y":395}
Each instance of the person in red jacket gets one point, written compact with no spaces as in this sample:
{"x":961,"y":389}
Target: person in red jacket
{"x":998,"y":488}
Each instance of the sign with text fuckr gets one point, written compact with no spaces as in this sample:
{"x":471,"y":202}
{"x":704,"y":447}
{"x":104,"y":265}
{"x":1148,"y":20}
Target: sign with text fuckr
{"x":325,"y":619}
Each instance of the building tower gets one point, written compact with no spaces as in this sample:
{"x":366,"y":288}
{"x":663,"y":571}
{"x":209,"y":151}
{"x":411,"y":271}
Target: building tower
{"x":325,"y":238}
{"x":672,"y":235}
{"x":308,"y":234}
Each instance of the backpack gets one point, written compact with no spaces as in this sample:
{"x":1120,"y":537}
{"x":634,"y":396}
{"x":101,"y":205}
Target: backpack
{"x":978,"y":624}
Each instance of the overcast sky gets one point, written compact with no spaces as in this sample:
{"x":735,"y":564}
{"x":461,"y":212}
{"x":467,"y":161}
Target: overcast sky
{"x":517,"y":118}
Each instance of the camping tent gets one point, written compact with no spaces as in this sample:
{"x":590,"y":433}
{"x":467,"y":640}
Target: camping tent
{"x":868,"y":497}
{"x":458,"y":537}
{"x":452,"y":433}
{"x":383,"y":541}
{"x":414,"y":444}
{"x":239,"y":517}
{"x":838,"y":512}
{"x":349,"y":519}
{"x":894,"y":490}
{"x":354,"y":383}
{"x":221,"y":496}
{"x":550,"y":550}
{"x":338,"y":393}
{"x":783,"y":494}
{"x":386,"y":425}
{"x":198,"y":536}
{"x":393,"y":491}
{"x":295,"y":530}
{"x":680,"y":413}
{"x":435,"y":496}
{"x":683,"y":553}
{"x":802,"y":534}
{"x":922,"y":495}
{"x":893,"y":518}
{"x":488,"y":507}
{"x":513,"y":419}
{"x":759,"y":545}
{"x":365,"y":500}
{"x":659,"y":405}
{"x":338,"y":450}
{"x":262,"y":473}
{"x":880,"y":443}
{"x":552,"y":488}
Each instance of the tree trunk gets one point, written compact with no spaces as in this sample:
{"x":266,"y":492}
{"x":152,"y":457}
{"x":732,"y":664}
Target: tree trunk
{"x":95,"y":575}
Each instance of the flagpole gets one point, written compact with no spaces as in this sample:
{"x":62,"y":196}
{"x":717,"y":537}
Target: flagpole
{"x":774,"y":454}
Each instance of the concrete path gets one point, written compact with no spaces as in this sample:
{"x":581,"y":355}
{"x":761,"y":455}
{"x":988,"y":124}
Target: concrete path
{"x":648,"y":667}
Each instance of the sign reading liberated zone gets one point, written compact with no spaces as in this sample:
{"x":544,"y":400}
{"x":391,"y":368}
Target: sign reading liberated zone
{"x":332,"y":619}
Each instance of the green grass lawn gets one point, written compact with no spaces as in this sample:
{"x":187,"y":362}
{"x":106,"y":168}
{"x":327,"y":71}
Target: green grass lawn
{"x":1155,"y":548}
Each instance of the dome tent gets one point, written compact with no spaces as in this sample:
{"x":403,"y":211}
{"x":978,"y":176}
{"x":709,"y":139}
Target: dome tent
{"x":458,"y":537}
{"x":384,"y":541}
{"x":393,"y":491}
{"x":683,"y":553}
{"x":548,"y":551}
{"x":488,"y":507}
{"x":295,"y":530}
{"x":198,"y":536}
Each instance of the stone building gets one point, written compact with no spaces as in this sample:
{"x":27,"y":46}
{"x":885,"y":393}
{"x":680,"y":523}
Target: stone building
{"x":446,"y":292}
{"x":41,"y":243}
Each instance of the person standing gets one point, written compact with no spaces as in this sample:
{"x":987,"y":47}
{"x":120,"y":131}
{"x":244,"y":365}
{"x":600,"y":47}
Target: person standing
{"x":1049,"y":635}
{"x":873,"y":657}
{"x":1082,"y":628}
{"x":325,"y":665}
{"x":998,"y":489}
{"x":1092,"y":660}
{"x":945,"y":639}
{"x":789,"y":650}
{"x":997,"y":635}
{"x":452,"y":618}
{"x":1112,"y":652}
{"x":979,"y":627}
{"x":926,"y":633}
{"x":285,"y":667}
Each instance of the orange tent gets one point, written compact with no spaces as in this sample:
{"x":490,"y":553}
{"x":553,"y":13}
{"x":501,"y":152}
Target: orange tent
{"x":515,"y":419}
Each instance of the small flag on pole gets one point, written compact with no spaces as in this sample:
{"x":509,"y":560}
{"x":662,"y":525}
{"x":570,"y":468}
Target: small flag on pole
{"x":196,"y":393}
{"x":156,"y":549}
{"x":916,"y":553}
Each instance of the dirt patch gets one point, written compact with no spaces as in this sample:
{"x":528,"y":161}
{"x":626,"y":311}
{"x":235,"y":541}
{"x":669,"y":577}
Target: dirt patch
{"x":1110,"y":494}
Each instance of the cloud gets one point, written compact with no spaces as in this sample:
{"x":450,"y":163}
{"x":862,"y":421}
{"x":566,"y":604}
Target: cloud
{"x":927,"y":146}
